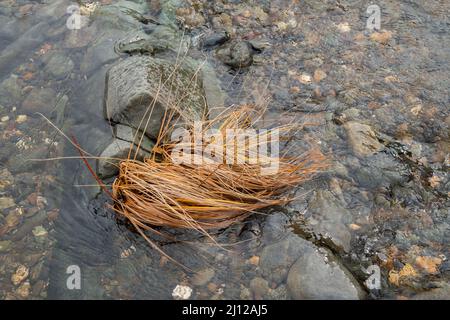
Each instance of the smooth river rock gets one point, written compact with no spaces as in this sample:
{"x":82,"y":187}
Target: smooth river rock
{"x":362,"y":139}
{"x":142,"y":85}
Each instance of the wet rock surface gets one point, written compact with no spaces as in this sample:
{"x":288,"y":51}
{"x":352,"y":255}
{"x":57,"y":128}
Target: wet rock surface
{"x":134,"y":84}
{"x":362,"y":139}
{"x":375,"y":102}
{"x":441,"y":293}
{"x":127,"y":143}
{"x":41,"y":100}
{"x":108,"y":165}
{"x":327,"y":216}
{"x":309,"y":272}
{"x":236,"y":55}
{"x":318,"y":275}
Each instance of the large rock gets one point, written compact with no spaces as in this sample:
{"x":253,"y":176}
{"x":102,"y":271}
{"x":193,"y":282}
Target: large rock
{"x":100,"y":52}
{"x":162,"y":39}
{"x":131,"y":135}
{"x":121,"y":15}
{"x":108,"y":164}
{"x":139,"y":84}
{"x":317,"y":274}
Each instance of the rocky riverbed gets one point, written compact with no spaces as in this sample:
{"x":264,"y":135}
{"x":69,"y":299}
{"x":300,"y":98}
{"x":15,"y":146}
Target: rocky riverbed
{"x":374,"y":226}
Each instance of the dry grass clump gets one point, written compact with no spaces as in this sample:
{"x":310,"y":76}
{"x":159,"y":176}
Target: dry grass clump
{"x":209,"y":193}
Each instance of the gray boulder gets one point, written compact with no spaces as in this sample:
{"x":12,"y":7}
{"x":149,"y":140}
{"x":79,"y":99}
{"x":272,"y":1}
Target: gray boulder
{"x":317,"y":274}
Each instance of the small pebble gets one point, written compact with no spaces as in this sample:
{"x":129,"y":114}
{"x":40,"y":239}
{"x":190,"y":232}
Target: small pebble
{"x":6,"y":202}
{"x":215,"y":39}
{"x":127,"y":252}
{"x":4,"y":245}
{"x":212,"y":287}
{"x":41,"y":202}
{"x":203,"y":277}
{"x":416,"y":110}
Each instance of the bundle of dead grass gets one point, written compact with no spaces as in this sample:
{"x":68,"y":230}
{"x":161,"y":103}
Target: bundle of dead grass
{"x":213,"y":190}
{"x":209,"y":191}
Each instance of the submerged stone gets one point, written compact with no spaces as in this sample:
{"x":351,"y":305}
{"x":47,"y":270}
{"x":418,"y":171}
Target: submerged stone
{"x":319,"y":275}
{"x":40,"y":100}
{"x":4,"y":245}
{"x":237,"y":54}
{"x":326,"y":216}
{"x":362,"y":139}
{"x":108,"y":164}
{"x":10,"y":90}
{"x":59,"y":65}
{"x":6,"y":202}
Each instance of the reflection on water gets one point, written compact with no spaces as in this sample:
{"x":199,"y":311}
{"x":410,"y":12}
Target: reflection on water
{"x":376,"y":102}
